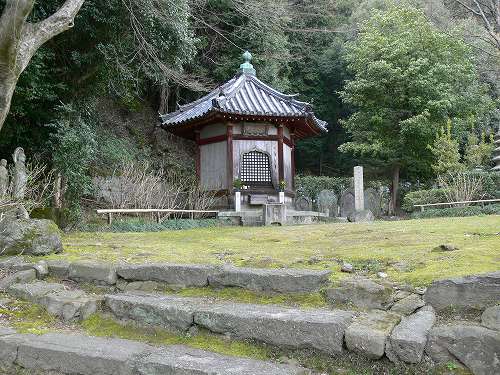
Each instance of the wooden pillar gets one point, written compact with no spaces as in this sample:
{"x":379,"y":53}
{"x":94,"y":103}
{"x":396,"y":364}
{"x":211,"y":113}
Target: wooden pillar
{"x":229,"y":164}
{"x":281,"y":167}
{"x":292,"y":157}
{"x":197,"y":161}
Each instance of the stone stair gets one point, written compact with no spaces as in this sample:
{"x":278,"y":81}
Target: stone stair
{"x":86,"y":355}
{"x":319,"y":329}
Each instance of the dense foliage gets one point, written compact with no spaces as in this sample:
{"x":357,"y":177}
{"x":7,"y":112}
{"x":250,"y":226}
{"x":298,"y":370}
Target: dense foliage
{"x":395,"y":71}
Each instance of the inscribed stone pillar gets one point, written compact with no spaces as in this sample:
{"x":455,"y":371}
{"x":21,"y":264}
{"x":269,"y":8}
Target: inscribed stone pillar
{"x":237,"y":201}
{"x":359,"y":199}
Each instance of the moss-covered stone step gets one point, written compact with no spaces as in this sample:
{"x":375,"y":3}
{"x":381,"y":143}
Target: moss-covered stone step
{"x":66,"y":304}
{"x":319,"y":329}
{"x":87,"y":355}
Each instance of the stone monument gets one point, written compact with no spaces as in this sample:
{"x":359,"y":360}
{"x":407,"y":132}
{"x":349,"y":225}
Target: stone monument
{"x":347,"y":203}
{"x":274,"y":213}
{"x":327,"y":202}
{"x":373,"y":201}
{"x":359,"y":197}
{"x":360,"y":214}
{"x":303,"y":203}
{"x":4,"y":178}
{"x":19,"y":177}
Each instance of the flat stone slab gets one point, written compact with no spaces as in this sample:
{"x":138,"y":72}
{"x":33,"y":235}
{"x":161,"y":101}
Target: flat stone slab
{"x":294,"y":328}
{"x":175,"y":313}
{"x":369,"y":332}
{"x":476,"y":347}
{"x":65,"y":304}
{"x":16,"y":278}
{"x":477,"y":291}
{"x":194,"y":275}
{"x":86,"y":355}
{"x":100,"y":273}
{"x":491,"y":317}
{"x":270,"y":280}
{"x":58,"y":268}
{"x":33,"y":292}
{"x":408,"y":339}
{"x":183,"y":360}
{"x":72,"y":354}
{"x":408,"y":305}
{"x":360,"y":292}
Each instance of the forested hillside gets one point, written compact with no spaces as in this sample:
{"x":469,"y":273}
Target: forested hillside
{"x":90,"y":97}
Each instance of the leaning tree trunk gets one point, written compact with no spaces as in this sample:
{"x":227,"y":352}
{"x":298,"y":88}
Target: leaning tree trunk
{"x":20,"y":39}
{"x":395,"y":189}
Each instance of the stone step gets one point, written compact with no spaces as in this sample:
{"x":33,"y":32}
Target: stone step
{"x":86,"y":355}
{"x":294,"y":328}
{"x":196,"y":275}
{"x":68,"y":305}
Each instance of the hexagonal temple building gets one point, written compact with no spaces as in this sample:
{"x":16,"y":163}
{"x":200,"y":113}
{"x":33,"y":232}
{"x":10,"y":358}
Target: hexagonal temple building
{"x":245,"y":133}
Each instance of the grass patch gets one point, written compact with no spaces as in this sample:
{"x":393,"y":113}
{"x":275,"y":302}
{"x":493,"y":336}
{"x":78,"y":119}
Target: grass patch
{"x":379,"y":246}
{"x":246,"y":296}
{"x":99,"y":325}
{"x":27,"y":318}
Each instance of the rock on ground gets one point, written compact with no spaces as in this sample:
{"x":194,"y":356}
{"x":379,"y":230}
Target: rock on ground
{"x":58,"y":268}
{"x":72,"y":354}
{"x":100,"y":273}
{"x":491,"y":317}
{"x":86,"y":355}
{"x":476,"y":347}
{"x":477,"y":291}
{"x":33,"y":292}
{"x":360,"y":292}
{"x":195,"y":275}
{"x":169,"y":312}
{"x":408,"y":339}
{"x":30,"y":237}
{"x":293,"y":328}
{"x":319,"y":329}
{"x":270,"y":280}
{"x":408,"y":305}
{"x":70,"y":305}
{"x":183,"y":360}
{"x":18,"y":277}
{"x":369,"y":332}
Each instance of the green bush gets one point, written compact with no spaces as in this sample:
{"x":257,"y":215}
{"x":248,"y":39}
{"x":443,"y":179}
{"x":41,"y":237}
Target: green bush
{"x":310,"y":186}
{"x":422,"y":197}
{"x":492,"y":209}
{"x":143,"y":225}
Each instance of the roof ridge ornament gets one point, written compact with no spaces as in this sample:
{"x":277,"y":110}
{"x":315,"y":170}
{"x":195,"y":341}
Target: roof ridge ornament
{"x":247,"y":67}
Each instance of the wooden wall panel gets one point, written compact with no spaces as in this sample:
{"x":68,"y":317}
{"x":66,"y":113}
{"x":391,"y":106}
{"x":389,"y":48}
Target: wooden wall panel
{"x":212,"y":130}
{"x":287,"y":162}
{"x":213,"y":166}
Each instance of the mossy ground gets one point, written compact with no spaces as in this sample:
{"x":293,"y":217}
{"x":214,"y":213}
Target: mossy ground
{"x":403,"y":249}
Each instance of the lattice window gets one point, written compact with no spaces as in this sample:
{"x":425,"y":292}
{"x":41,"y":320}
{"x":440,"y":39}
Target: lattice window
{"x":256,"y":168}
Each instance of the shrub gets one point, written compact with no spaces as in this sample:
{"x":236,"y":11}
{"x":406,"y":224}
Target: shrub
{"x":143,"y":225}
{"x":423,"y":197}
{"x":311,"y":186}
{"x":492,"y":209}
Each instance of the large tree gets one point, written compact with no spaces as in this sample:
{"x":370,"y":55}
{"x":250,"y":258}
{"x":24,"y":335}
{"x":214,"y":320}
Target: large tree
{"x":408,"y":80}
{"x":20,"y":39}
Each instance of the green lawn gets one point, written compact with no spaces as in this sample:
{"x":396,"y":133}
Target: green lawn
{"x":403,"y":249}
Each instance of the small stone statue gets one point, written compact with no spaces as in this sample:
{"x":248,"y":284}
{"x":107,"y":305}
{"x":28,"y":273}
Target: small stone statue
{"x":4,"y":178}
{"x":20,"y":177}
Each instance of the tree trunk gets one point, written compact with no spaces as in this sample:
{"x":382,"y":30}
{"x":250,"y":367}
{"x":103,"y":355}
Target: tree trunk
{"x":7,"y":86}
{"x":20,"y":39}
{"x":395,"y":189}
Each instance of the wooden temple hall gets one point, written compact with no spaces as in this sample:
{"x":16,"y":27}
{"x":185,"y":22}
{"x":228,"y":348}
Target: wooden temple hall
{"x":245,"y":132}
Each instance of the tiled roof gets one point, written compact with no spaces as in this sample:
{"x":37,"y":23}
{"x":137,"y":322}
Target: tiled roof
{"x":244,"y":94}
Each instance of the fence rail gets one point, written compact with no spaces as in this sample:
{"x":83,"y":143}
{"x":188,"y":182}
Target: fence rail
{"x":158,"y":211}
{"x":482,"y":201}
